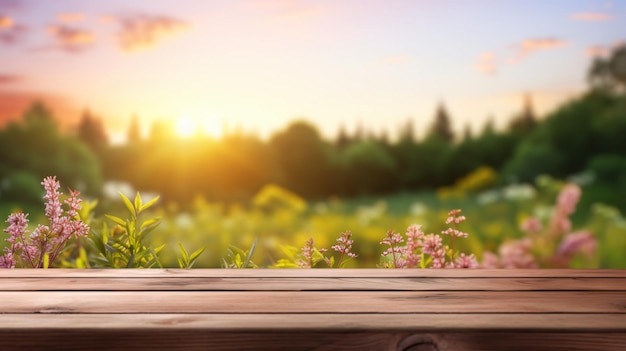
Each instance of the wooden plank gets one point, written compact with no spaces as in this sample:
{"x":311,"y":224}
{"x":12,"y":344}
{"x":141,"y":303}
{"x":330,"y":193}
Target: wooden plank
{"x":385,"y":322}
{"x":312,"y":302}
{"x":319,"y":273}
{"x":529,"y":341}
{"x":312,"y":284}
{"x":78,"y":340}
{"x":186,"y":340}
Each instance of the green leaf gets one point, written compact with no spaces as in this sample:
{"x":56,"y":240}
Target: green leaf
{"x":149,"y":204}
{"x":158,"y":249}
{"x":117,"y":220}
{"x":138,"y":203}
{"x":128,"y":204}
{"x":150,"y":222}
{"x":196,"y":254}
{"x":245,"y":265}
{"x":183,"y":252}
{"x":131,"y":261}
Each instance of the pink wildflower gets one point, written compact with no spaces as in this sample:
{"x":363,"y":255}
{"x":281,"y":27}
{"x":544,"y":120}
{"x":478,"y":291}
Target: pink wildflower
{"x":439,"y":258}
{"x":454,"y":232}
{"x":464,"y":261}
{"x":490,"y":260}
{"x":568,"y":198}
{"x":393,"y":240}
{"x":573,"y":244}
{"x":565,"y":206}
{"x":516,"y":254}
{"x":307,"y":253}
{"x":414,"y":236}
{"x":531,"y":225}
{"x":344,"y":246}
{"x":432,"y":243}
{"x":45,"y":239}
{"x":18,"y":224}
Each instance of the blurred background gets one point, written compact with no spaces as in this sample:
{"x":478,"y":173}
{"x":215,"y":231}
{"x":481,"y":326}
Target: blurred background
{"x":280,"y":120}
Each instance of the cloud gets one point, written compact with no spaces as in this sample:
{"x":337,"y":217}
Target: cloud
{"x":597,"y":51}
{"x":9,"y":79}
{"x":603,"y":50}
{"x":6,"y":22}
{"x":531,"y":46}
{"x":592,"y":17}
{"x":487,"y":63}
{"x":71,"y":39}
{"x":145,"y":31}
{"x":70,"y":17}
{"x":10,"y":31}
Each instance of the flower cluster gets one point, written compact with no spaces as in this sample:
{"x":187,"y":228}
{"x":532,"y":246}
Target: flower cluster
{"x":393,"y":240}
{"x":427,"y":250}
{"x":43,"y":245}
{"x":550,"y":246}
{"x":454,"y":218}
{"x":311,"y":255}
{"x":344,"y":247}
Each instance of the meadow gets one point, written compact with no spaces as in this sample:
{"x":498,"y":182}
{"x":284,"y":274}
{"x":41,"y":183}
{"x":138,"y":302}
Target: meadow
{"x":277,"y":223}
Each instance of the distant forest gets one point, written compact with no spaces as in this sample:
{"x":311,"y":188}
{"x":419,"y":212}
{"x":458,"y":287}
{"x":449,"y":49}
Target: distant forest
{"x":585,"y":134}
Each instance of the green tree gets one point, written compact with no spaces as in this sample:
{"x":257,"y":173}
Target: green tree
{"x":370,"y":168}
{"x":91,"y":132}
{"x":303,"y":159}
{"x":442,"y":126}
{"x":525,"y":122}
{"x":35,"y":146}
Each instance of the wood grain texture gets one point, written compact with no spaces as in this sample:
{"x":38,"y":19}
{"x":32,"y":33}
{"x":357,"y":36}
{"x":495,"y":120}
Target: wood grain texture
{"x":247,"y":322}
{"x":319,"y":273}
{"x":312,"y":302}
{"x":76,"y":340}
{"x":310,"y":284}
{"x":348,"y":309}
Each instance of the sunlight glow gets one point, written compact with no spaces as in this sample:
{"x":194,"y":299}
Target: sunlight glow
{"x":185,"y":127}
{"x":212,"y":127}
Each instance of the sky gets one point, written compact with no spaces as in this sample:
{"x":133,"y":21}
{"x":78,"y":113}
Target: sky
{"x":258,"y":64}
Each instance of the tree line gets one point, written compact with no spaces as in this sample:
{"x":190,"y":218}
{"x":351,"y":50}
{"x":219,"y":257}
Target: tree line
{"x":584,"y":134}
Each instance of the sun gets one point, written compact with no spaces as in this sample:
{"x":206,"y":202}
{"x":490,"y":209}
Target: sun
{"x":185,"y":127}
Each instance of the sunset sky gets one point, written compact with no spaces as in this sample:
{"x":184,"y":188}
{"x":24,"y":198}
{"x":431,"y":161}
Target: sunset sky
{"x":261,"y":63}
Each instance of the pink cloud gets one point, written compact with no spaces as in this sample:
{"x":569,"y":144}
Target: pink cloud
{"x":70,"y":17}
{"x":541,"y":44}
{"x":145,"y":31}
{"x":531,"y":46}
{"x":6,"y":22}
{"x":10,"y":31}
{"x":592,"y":16}
{"x":9,"y":79}
{"x":597,"y":51}
{"x":71,"y":39}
